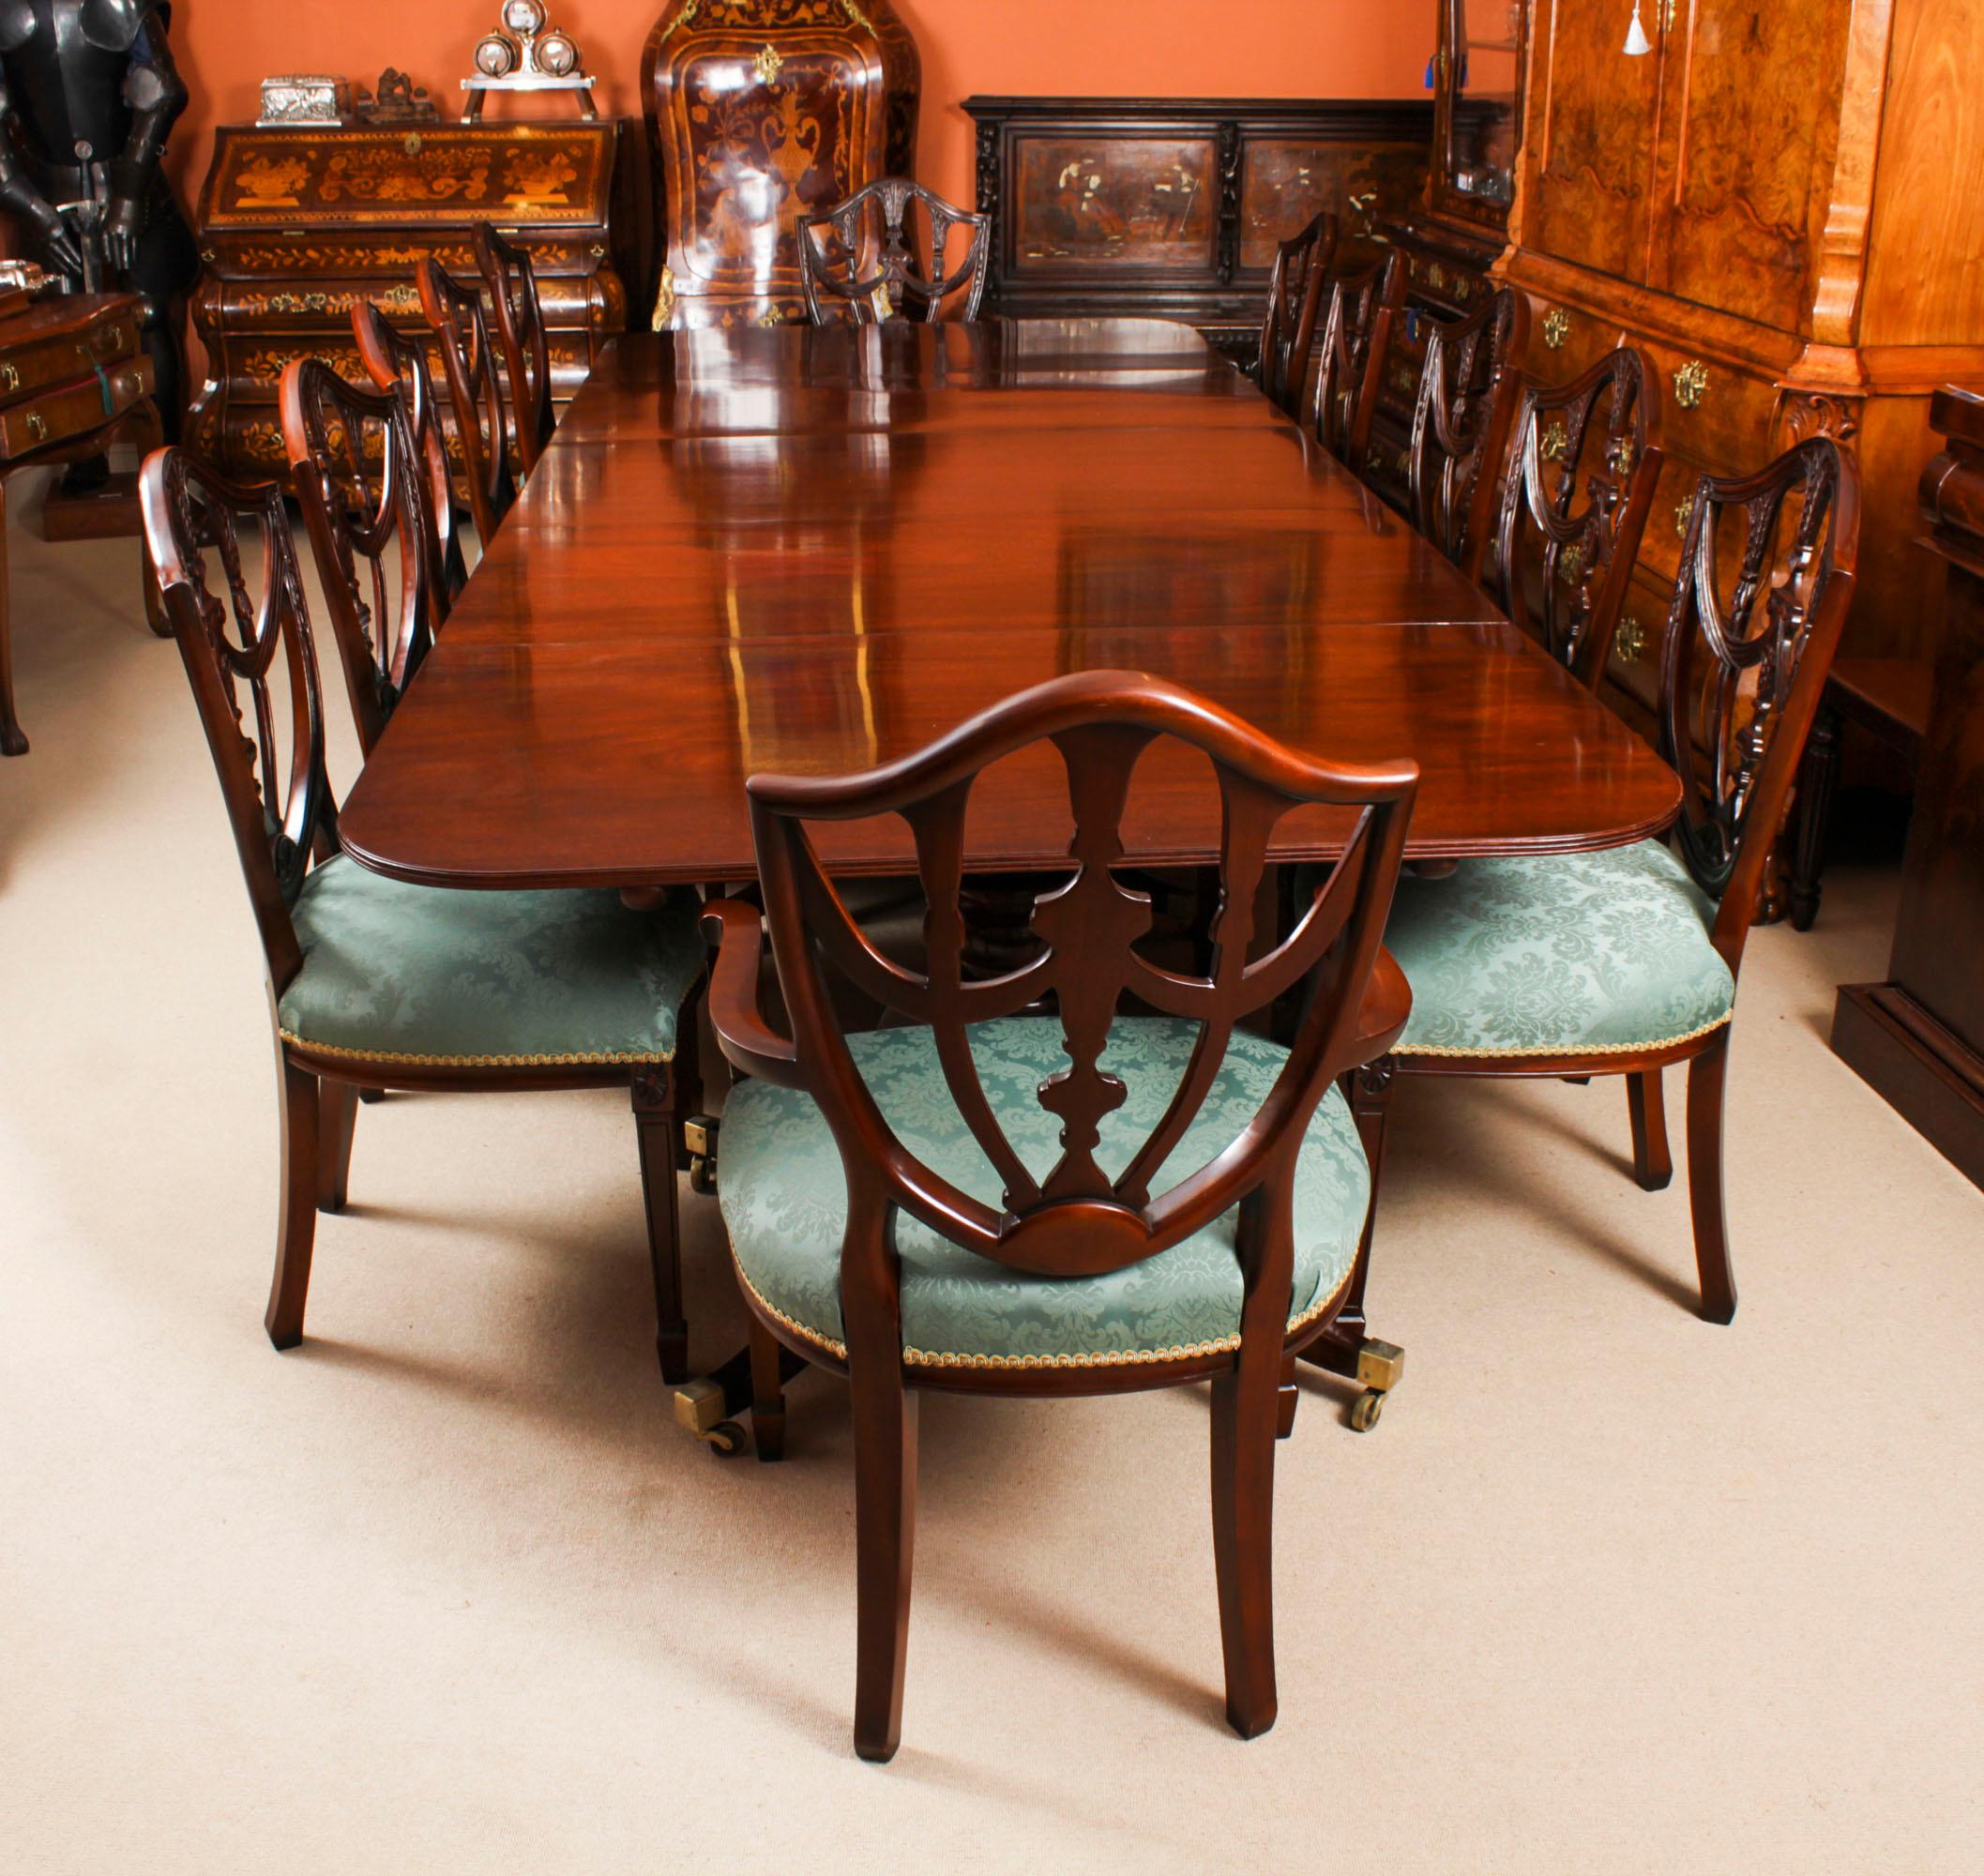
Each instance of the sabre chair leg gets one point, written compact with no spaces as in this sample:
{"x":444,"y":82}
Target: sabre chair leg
{"x":1243,"y":1490}
{"x":297,"y":1223}
{"x":337,"y":1119}
{"x":767,"y":1392}
{"x":653,"y":1100}
{"x":884,"y":1413}
{"x":1706,"y":1076}
{"x":1653,"y":1165}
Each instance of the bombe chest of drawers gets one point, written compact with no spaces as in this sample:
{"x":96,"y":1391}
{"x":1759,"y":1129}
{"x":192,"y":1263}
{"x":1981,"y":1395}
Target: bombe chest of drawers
{"x":296,"y":224}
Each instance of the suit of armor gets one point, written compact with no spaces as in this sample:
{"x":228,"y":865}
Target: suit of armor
{"x":88,"y":91}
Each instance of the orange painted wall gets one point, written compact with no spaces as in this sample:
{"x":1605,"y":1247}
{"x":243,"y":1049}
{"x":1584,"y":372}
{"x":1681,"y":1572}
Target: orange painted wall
{"x":1100,"y":48}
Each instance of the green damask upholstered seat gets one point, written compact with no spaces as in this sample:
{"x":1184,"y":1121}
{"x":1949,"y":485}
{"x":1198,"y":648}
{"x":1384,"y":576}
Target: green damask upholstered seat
{"x":1567,"y":954}
{"x":784,"y":1201}
{"x":416,"y":974}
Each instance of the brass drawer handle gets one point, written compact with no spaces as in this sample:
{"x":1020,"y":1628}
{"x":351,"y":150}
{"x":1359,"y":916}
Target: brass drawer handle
{"x":10,"y":375}
{"x":1691,"y":383}
{"x":36,"y":426}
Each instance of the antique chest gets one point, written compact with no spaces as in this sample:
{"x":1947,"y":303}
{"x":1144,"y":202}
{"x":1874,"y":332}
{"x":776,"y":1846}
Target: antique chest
{"x":1172,"y":207}
{"x":296,"y":224}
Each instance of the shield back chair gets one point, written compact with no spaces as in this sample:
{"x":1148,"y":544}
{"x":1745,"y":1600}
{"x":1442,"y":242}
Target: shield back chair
{"x":860,"y":261}
{"x":1559,"y":569}
{"x":390,"y":359}
{"x":994,"y":1200}
{"x":456,"y":317}
{"x":1623,"y":963}
{"x":1468,"y":387}
{"x":512,"y":282}
{"x":373,"y":983}
{"x":365,"y":497}
{"x":1360,"y":312}
{"x":1295,"y":294}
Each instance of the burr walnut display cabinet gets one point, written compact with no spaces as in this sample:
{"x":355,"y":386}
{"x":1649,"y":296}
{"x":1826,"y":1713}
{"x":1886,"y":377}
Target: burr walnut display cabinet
{"x":1919,"y":1037}
{"x":1775,"y":205}
{"x":761,"y":113}
{"x":296,"y":224}
{"x":1172,"y":207}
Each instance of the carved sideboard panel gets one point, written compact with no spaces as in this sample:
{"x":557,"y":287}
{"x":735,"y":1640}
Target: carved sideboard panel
{"x":760,"y":113}
{"x":296,"y":225}
{"x":1173,"y":207}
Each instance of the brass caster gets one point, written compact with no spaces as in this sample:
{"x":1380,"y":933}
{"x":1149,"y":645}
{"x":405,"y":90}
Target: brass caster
{"x":699,"y":1135}
{"x":1364,"y":1411}
{"x":700,"y":1408}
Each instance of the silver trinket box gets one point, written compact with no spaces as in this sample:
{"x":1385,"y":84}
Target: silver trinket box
{"x":312,"y":99}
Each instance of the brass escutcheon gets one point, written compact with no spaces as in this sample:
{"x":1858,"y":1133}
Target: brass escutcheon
{"x":1691,"y":383}
{"x":1556,"y":442}
{"x":1630,"y":640}
{"x":1684,"y":513}
{"x":412,"y":143}
{"x":1557,"y":328}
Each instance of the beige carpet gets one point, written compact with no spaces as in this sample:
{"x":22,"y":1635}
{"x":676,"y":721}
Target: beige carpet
{"x":444,"y":1590}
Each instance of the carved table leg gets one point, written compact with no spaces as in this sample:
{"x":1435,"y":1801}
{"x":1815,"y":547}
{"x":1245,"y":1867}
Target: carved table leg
{"x":1818,"y":775}
{"x":1345,"y":1348}
{"x":12,"y":743}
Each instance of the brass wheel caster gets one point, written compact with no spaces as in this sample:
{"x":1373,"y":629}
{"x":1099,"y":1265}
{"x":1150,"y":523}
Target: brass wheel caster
{"x":1381,"y":1366}
{"x":699,"y":1135}
{"x":700,"y":1408}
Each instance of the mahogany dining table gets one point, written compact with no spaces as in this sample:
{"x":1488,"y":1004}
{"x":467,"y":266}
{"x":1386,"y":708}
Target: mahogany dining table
{"x":809,"y":550}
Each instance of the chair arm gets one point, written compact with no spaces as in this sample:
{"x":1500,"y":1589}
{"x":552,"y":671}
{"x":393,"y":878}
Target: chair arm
{"x":750,"y":1044}
{"x":1382,"y":1016}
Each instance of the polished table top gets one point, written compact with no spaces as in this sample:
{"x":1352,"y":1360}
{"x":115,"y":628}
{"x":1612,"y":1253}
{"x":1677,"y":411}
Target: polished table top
{"x":800,"y":550}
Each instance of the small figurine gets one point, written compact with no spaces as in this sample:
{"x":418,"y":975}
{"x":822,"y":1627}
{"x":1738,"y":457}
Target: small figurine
{"x":397,"y":101}
{"x":88,"y":91}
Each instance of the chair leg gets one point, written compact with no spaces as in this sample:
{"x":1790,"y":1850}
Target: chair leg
{"x":1653,"y":1165}
{"x":297,"y":1223}
{"x":371,"y":1095}
{"x":1706,"y":1076}
{"x":337,"y":1119}
{"x":885,"y":1542}
{"x":1287,"y":1399}
{"x":767,"y":1393}
{"x":1818,"y":775}
{"x":654,"y":1095}
{"x":1244,"y":1419}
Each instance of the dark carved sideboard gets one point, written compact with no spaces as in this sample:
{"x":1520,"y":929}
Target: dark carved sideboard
{"x":1919,"y":1039}
{"x":295,"y":225}
{"x":1171,"y":207}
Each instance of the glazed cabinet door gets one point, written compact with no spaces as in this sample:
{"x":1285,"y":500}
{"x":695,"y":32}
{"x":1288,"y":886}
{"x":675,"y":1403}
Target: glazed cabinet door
{"x":1592,"y":123}
{"x":1743,"y":170}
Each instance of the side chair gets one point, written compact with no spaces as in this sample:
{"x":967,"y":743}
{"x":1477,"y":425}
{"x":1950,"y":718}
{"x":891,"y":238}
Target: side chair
{"x":366,"y":503}
{"x":456,"y":317}
{"x":1559,"y":569}
{"x":1571,"y":965}
{"x":513,"y":284}
{"x":373,"y":983}
{"x":390,"y":359}
{"x":1294,"y":294}
{"x":1023,"y":1187}
{"x":1361,"y":310}
{"x":1459,"y":428}
{"x":901,"y":283}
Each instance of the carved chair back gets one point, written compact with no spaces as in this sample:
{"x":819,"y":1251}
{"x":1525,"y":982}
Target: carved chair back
{"x":390,"y":357}
{"x":1362,"y":308}
{"x":234,"y":615}
{"x":1077,"y":1217}
{"x":1765,"y":580}
{"x":862,"y":258}
{"x":1559,"y":567}
{"x":456,"y":317}
{"x":1467,"y":394}
{"x":512,"y":282}
{"x":1295,"y":292}
{"x":364,"y":496}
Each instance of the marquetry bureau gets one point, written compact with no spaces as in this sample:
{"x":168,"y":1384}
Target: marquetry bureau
{"x":296,"y":224}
